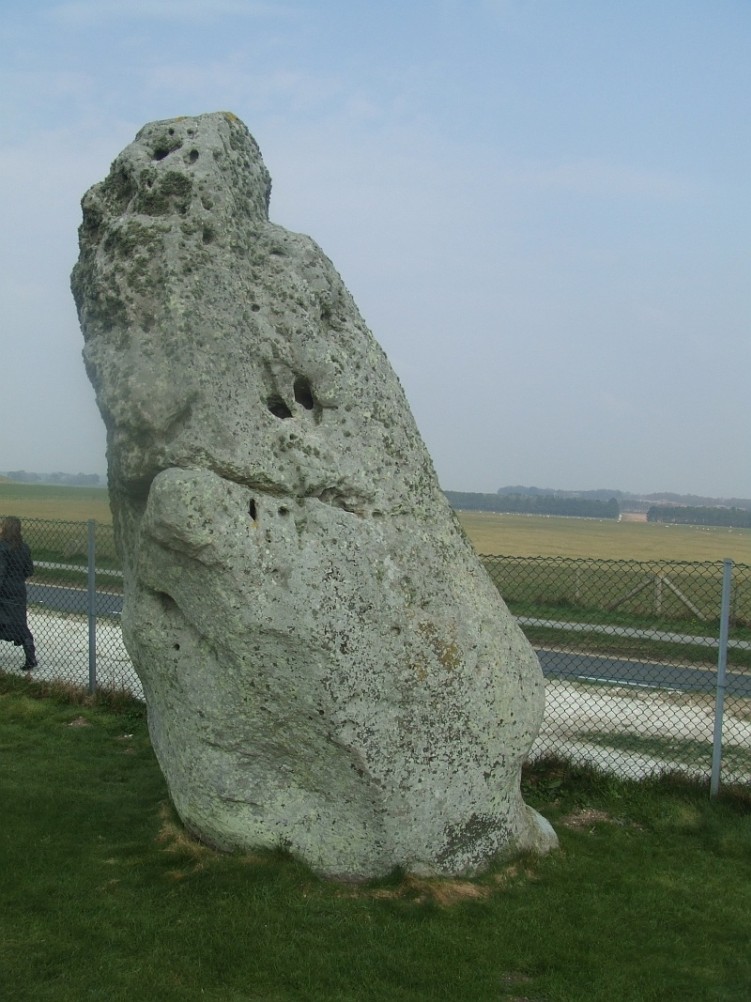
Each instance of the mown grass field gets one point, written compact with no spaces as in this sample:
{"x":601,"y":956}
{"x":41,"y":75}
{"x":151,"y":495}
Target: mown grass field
{"x":506,"y":535}
{"x":602,"y":539}
{"x":102,"y":895}
{"x":53,"y":502}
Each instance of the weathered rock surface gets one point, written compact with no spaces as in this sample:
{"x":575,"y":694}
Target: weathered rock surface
{"x":326,"y":664}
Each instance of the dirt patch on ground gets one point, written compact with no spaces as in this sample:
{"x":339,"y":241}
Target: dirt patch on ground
{"x":444,"y":893}
{"x":80,"y":722}
{"x":587,"y":818}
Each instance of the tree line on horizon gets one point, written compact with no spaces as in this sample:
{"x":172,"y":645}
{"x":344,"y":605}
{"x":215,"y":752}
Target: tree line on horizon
{"x":534,"y":504}
{"x":736,"y":518}
{"x":69,"y":479}
{"x":733,"y":513}
{"x":630,"y":501}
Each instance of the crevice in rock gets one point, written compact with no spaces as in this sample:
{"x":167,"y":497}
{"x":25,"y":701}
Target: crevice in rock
{"x":137,"y":489}
{"x":254,"y":486}
{"x":354,"y":504}
{"x":278,"y":407}
{"x":304,"y":393}
{"x":166,"y":601}
{"x":163,"y":151}
{"x":167,"y":143}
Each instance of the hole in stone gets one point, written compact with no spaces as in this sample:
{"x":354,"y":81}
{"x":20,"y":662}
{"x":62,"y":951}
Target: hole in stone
{"x":166,"y":145}
{"x":304,"y":393}
{"x":176,"y":647}
{"x":208,"y":235}
{"x":255,"y":307}
{"x":284,"y":511}
{"x":252,"y":509}
{"x":193,"y":156}
{"x":166,"y":601}
{"x":278,"y":407}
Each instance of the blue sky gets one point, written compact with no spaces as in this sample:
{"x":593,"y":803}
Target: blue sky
{"x":541,"y":208}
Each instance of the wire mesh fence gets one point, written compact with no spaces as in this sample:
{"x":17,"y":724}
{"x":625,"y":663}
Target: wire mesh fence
{"x":629,"y":649}
{"x":74,"y":605}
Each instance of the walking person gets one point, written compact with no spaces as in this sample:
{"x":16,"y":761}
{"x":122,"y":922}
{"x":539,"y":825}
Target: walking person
{"x":15,"y":566}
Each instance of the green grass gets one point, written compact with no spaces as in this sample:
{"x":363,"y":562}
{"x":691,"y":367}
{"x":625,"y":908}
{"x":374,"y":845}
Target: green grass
{"x":620,"y":634}
{"x":103,"y":897}
{"x":654,"y":590}
{"x":65,"y":544}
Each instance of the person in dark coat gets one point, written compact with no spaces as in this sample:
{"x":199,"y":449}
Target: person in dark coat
{"x":15,"y":566}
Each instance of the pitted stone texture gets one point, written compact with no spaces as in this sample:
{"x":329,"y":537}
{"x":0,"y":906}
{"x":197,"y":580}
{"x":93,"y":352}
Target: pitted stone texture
{"x":326,"y":664}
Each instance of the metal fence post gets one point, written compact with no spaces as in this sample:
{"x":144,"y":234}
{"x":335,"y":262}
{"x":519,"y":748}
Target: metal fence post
{"x":722,"y":662}
{"x":91,"y":603}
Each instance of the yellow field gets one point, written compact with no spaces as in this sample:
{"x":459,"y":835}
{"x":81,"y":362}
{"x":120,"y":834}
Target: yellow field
{"x":604,"y":539}
{"x":67,"y":504}
{"x":505,"y":535}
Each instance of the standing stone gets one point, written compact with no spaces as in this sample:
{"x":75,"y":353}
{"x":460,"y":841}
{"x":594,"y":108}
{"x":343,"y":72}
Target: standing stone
{"x":327,"y":667}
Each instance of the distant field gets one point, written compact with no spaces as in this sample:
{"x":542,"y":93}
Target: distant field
{"x":506,"y":535}
{"x":603,"y":539}
{"x":49,"y":501}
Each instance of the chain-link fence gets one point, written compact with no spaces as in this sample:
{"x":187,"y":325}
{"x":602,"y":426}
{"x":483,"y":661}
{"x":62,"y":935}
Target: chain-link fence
{"x":74,"y":605}
{"x":630,"y":651}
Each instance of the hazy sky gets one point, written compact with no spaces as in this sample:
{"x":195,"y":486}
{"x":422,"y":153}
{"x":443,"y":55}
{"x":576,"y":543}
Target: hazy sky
{"x":541,"y":208}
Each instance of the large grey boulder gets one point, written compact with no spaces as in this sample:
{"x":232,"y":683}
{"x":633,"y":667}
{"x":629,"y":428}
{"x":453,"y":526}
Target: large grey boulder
{"x":327,"y":666}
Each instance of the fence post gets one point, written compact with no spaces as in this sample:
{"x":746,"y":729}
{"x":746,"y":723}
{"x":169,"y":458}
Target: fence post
{"x":91,"y":603}
{"x":722,"y":662}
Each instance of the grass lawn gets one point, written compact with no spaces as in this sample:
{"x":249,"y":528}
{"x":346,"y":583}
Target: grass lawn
{"x":103,"y":897}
